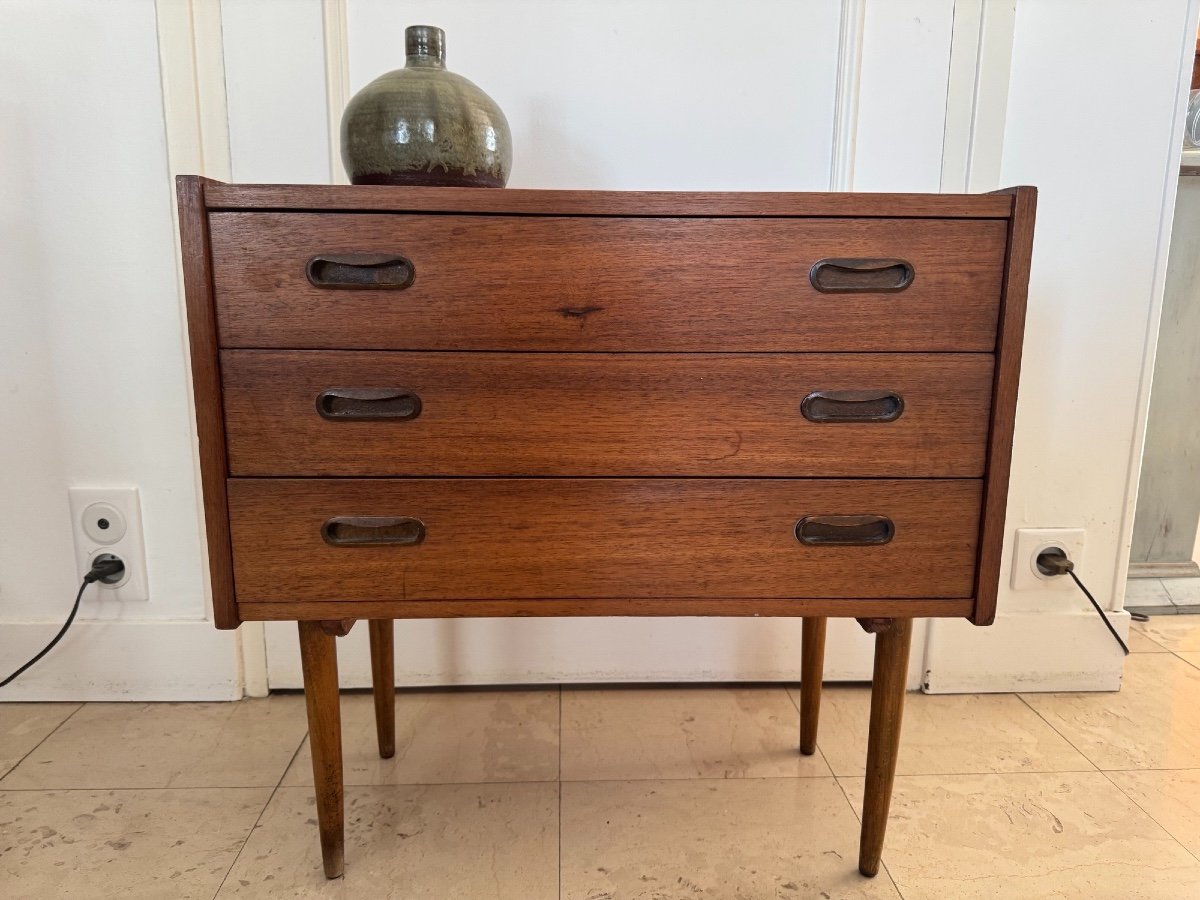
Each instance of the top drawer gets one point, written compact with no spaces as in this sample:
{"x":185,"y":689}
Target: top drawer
{"x":597,"y":283}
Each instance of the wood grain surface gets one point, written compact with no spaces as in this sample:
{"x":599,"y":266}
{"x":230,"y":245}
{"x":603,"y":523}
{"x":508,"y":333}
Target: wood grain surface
{"x":206,"y":387}
{"x":602,"y":203}
{"x":318,"y":661}
{"x":596,"y":538}
{"x":619,"y":284}
{"x":888,"y":684}
{"x":605,"y":414}
{"x":553,"y":608}
{"x":1010,"y":341}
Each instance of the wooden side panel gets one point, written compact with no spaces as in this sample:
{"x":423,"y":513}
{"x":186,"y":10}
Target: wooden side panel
{"x":1010,"y":337}
{"x":602,"y":203}
{"x":206,"y":388}
{"x":601,"y":538}
{"x":606,"y":414}
{"x":609,"y":284}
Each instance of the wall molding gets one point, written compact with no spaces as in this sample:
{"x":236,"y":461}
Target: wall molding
{"x":851,"y":29}
{"x":977,"y":94}
{"x":1170,"y":189}
{"x":176,"y":661}
{"x":196,"y":125}
{"x":337,"y":80}
{"x":974,"y":660}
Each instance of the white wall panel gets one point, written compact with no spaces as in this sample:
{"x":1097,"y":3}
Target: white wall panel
{"x":92,"y":366}
{"x":275,"y":78}
{"x":902,"y":95}
{"x":620,"y":94}
{"x":1094,"y":119}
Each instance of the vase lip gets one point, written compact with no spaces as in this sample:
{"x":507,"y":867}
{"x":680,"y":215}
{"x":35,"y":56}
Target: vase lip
{"x":425,"y":45}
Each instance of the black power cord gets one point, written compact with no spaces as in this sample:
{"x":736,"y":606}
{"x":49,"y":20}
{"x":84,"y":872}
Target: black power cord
{"x":1053,"y":561}
{"x":107,"y":569}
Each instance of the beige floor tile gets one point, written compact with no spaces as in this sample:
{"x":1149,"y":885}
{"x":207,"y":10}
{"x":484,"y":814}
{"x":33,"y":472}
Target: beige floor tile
{"x":1140,"y":641}
{"x":1174,"y":632}
{"x":160,"y":745}
{"x":434,"y":841}
{"x":1070,"y":836}
{"x":1171,"y":797}
{"x":682,"y":733}
{"x":1190,"y":658}
{"x":739,"y":838}
{"x":131,"y":844}
{"x":449,"y":736}
{"x":952,"y":734}
{"x":25,"y":725}
{"x":1153,"y":722}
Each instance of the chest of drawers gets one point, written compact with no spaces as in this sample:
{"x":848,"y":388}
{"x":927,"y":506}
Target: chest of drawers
{"x":456,"y":402}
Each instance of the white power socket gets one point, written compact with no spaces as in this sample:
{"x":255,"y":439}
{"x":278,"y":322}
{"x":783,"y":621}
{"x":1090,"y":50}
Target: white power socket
{"x":109,"y":520}
{"x":1032,"y":541}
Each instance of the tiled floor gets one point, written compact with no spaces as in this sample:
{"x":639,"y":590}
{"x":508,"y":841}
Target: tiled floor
{"x":1163,"y":596}
{"x":624,"y":794}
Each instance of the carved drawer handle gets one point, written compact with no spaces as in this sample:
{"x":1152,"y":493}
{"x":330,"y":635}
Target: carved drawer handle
{"x":852,"y":406}
{"x":844,"y":530}
{"x":847,"y":276}
{"x":373,"y":531}
{"x":378,"y":271}
{"x":361,"y":404}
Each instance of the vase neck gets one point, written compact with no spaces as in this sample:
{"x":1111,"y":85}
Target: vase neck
{"x":424,"y":47}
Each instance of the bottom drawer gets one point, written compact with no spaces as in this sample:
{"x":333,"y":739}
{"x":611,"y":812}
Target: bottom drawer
{"x":535,"y":538}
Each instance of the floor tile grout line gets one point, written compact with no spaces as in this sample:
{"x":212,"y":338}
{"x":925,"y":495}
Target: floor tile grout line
{"x":1050,"y":725}
{"x":49,"y":735}
{"x":1167,"y":831}
{"x":543,"y":781}
{"x":261,"y":813}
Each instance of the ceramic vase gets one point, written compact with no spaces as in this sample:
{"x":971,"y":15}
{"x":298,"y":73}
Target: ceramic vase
{"x":425,"y":125}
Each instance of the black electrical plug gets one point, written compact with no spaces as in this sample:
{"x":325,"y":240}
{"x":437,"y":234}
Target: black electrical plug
{"x":1053,"y":561}
{"x":106,"y":569}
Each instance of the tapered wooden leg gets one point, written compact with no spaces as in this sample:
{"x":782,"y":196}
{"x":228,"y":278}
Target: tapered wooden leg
{"x":892,"y":639}
{"x":318,"y":657}
{"x":383,"y":682}
{"x":812,"y":670}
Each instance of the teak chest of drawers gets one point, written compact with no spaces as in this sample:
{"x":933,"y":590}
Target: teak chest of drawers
{"x":430,"y":402}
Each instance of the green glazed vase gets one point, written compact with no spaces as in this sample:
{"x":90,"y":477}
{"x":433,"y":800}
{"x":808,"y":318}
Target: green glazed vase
{"x":424,"y":125}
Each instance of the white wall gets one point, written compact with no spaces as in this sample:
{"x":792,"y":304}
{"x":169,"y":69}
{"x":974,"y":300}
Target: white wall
{"x":1076,"y":97}
{"x":1094,"y":119}
{"x":92,"y":368}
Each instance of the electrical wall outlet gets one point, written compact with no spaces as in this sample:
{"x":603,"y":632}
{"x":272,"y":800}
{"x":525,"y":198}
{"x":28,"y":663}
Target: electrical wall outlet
{"x":109,"y":520}
{"x":1032,"y":541}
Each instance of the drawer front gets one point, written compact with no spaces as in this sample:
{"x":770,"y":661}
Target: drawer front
{"x":576,"y":283}
{"x":452,"y":539}
{"x":392,"y":413}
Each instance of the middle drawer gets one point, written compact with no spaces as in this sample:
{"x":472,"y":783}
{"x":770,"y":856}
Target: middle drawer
{"x":364,"y":413}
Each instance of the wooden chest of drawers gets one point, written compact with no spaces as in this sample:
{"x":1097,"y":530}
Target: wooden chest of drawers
{"x":456,"y":402}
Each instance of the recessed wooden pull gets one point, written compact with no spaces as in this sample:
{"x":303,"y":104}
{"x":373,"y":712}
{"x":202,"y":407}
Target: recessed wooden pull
{"x":372,"y":531}
{"x":852,"y":406}
{"x":848,"y":276}
{"x":844,"y":530}
{"x":379,"y":271}
{"x":360,"y":404}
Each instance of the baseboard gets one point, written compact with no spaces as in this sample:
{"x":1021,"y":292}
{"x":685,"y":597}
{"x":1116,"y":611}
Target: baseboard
{"x":436,"y":652}
{"x":1070,"y":651}
{"x":1188,"y":569}
{"x":121,"y":660}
